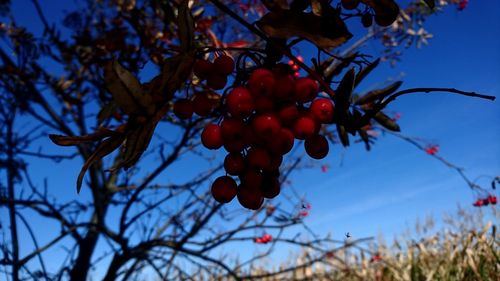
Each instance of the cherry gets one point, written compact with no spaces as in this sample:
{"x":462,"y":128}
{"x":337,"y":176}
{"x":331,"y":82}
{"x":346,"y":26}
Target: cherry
{"x":322,"y":110}
{"x":234,"y":163}
{"x":350,"y":4}
{"x":183,"y":108}
{"x":211,"y":136}
{"x":306,"y":89}
{"x":258,"y":158}
{"x":249,"y":198}
{"x":304,"y":127}
{"x":202,"y":104}
{"x":224,"y":189}
{"x":288,"y":113}
{"x":316,"y":146}
{"x":261,"y":82}
{"x":224,"y":65}
{"x":266,"y":125}
{"x":240,"y":102}
{"x":216,"y":81}
{"x":202,"y":68}
{"x":270,"y":187}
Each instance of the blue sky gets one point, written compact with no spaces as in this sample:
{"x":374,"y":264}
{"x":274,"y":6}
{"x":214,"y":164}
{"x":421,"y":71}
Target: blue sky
{"x":386,"y":189}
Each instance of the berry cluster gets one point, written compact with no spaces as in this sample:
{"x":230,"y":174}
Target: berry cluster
{"x":260,"y":122}
{"x":266,"y":238}
{"x":214,"y":73}
{"x":295,"y":67}
{"x":491,"y":199}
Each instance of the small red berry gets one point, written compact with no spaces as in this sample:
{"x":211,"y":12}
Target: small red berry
{"x":249,"y":198}
{"x":183,"y":108}
{"x":306,"y":89}
{"x":202,"y":104}
{"x":224,"y":189}
{"x":224,"y":65}
{"x":202,"y":68}
{"x":251,"y":178}
{"x":284,"y":86}
{"x":322,"y":110}
{"x":232,"y":129}
{"x":211,"y":136}
{"x":240,"y":102}
{"x":266,"y":125}
{"x":216,"y":81}
{"x":234,"y":163}
{"x":493,"y":199}
{"x":261,"y":82}
{"x":304,"y":127}
{"x":288,"y":113}
{"x":258,"y":158}
{"x":270,"y":187}
{"x":282,"y":143}
{"x":316,"y":147}
{"x":263,"y":104}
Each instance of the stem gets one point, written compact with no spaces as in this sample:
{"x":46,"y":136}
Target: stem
{"x":11,"y":173}
{"x":283,"y":50}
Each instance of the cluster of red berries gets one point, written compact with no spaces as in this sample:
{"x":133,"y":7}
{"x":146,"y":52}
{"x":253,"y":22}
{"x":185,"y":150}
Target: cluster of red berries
{"x":263,"y":119}
{"x":266,"y":238}
{"x":260,"y":122}
{"x":432,"y":149}
{"x":214,"y":73}
{"x":295,"y":67}
{"x":491,"y":199}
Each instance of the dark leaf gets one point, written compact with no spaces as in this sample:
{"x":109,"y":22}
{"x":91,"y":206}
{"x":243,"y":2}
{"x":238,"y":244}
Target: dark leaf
{"x":386,"y":11}
{"x":343,"y":94}
{"x":275,"y":5}
{"x":344,"y":138}
{"x":137,"y":141}
{"x":339,"y":67}
{"x":76,"y":140}
{"x":185,"y":23}
{"x":106,"y":112}
{"x":365,"y":138}
{"x":327,"y":31}
{"x":365,"y":71}
{"x":104,"y":148}
{"x":386,"y":122}
{"x":379,"y":94}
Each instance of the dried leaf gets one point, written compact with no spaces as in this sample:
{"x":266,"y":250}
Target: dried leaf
{"x":106,"y":112}
{"x":327,"y":31}
{"x":343,"y":94}
{"x":386,"y":122}
{"x":185,"y":23}
{"x":126,"y":90}
{"x":344,"y":138}
{"x":76,"y":140}
{"x":137,"y":141}
{"x":365,"y":71}
{"x":275,"y":5}
{"x":379,"y":94}
{"x":105,"y":148}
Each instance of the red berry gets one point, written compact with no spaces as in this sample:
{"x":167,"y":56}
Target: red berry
{"x":304,"y":127}
{"x":261,"y":82}
{"x":232,"y":129}
{"x":350,"y":4}
{"x":211,"y":136}
{"x":282,"y":143}
{"x":258,"y":158}
{"x":266,"y":125}
{"x":284,"y":86}
{"x":493,"y":199}
{"x":270,"y":187}
{"x":235,"y":146}
{"x":306,"y":89}
{"x":249,"y":198}
{"x":234,"y":163}
{"x":478,"y":203}
{"x":202,"y":68}
{"x":224,"y":65}
{"x":183,"y":108}
{"x":263,"y":104}
{"x":216,"y":81}
{"x":224,"y":189}
{"x":251,"y":178}
{"x":275,"y":163}
{"x":202,"y":104}
{"x":316,"y":147}
{"x":322,"y":110}
{"x":240,"y":102}
{"x":288,"y":113}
